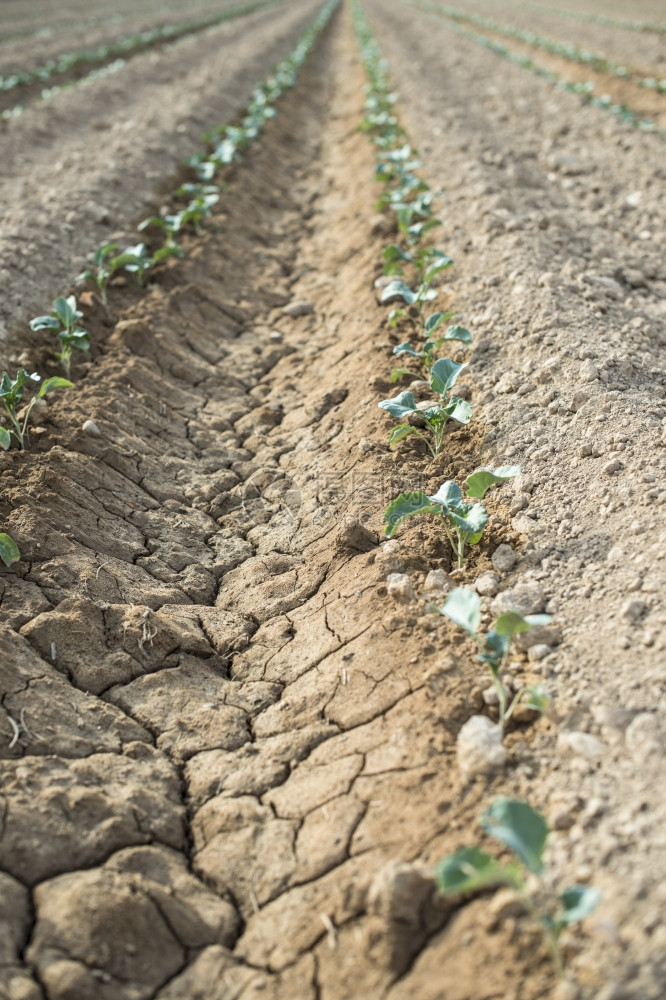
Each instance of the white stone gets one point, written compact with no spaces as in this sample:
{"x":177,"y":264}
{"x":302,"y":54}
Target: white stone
{"x":400,"y":588}
{"x":588,"y":371}
{"x":582,"y":744}
{"x":479,"y":747}
{"x":486,"y":585}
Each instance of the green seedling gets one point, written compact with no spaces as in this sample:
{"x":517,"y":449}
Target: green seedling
{"x":431,"y":346}
{"x":525,"y":832}
{"x":137,"y":261}
{"x":443,"y":376}
{"x":64,"y":320}
{"x":463,"y":522}
{"x":105,"y":262}
{"x":11,"y":394}
{"x":9,"y":550}
{"x":463,"y":608}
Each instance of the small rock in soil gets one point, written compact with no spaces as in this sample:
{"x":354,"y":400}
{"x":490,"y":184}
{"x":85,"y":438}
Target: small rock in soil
{"x":588,"y":371}
{"x":582,"y":744}
{"x":399,"y":892}
{"x":437,"y":582}
{"x":612,"y":467}
{"x":91,"y":428}
{"x":299,"y":308}
{"x":479,"y":747}
{"x":400,"y":588}
{"x":487,"y":584}
{"x":526,"y":598}
{"x":539,"y":652}
{"x":503,"y":558}
{"x":633,"y":610}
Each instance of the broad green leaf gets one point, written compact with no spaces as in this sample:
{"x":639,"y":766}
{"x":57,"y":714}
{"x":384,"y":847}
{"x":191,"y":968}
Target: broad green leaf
{"x":400,"y":432}
{"x":397,"y":373}
{"x":5,"y":438}
{"x":103,"y":251}
{"x":401,"y":405}
{"x":398,"y":289}
{"x":577,"y":903}
{"x":458,"y":333}
{"x":154,"y":220}
{"x":426,"y":294}
{"x":172,"y":250}
{"x":472,"y":521}
{"x":44,"y":323}
{"x":66,"y":311}
{"x":533,"y":620}
{"x":444,"y":375}
{"x":433,"y":269}
{"x":9,"y":551}
{"x":449,"y":495}
{"x":478,"y":483}
{"x":463,"y":607}
{"x":406,"y":348}
{"x":404,"y":506}
{"x":436,"y":320}
{"x":459,"y":409}
{"x":495,"y":648}
{"x":470,"y":869}
{"x":536,"y":699}
{"x":520,"y":827}
{"x":394,"y":252}
{"x":511,"y":623}
{"x":51,"y":384}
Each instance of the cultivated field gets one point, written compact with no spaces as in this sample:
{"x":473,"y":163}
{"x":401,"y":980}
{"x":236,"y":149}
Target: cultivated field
{"x":273,"y":660}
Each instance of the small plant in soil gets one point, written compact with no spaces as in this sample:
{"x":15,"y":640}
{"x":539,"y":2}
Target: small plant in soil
{"x":64,"y":320}
{"x":525,"y":832}
{"x":105,"y":264}
{"x":9,"y":550}
{"x":463,"y":521}
{"x":463,"y":608}
{"x":443,"y":376}
{"x":11,"y":394}
{"x":431,"y":345}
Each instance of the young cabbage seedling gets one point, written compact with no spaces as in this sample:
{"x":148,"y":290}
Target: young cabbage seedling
{"x":105,"y":265}
{"x":431,"y":345}
{"x":463,"y":522}
{"x":137,"y":261}
{"x":525,"y":832}
{"x":9,"y":550}
{"x":64,"y":320}
{"x":11,"y":394}
{"x":463,"y":608}
{"x":443,"y":376}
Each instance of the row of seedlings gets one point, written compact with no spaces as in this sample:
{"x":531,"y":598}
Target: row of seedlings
{"x":565,"y":50}
{"x":64,"y":320}
{"x":460,"y":512}
{"x":116,"y":51}
{"x":584,"y":90}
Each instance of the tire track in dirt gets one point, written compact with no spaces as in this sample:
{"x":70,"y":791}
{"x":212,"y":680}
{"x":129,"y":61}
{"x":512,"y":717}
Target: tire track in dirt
{"x":235,"y":753}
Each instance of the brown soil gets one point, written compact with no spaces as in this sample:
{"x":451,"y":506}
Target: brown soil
{"x":236,"y":755}
{"x":26,"y":93}
{"x":644,"y":102}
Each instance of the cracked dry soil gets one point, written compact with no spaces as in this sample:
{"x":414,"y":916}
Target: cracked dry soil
{"x":236,"y":755}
